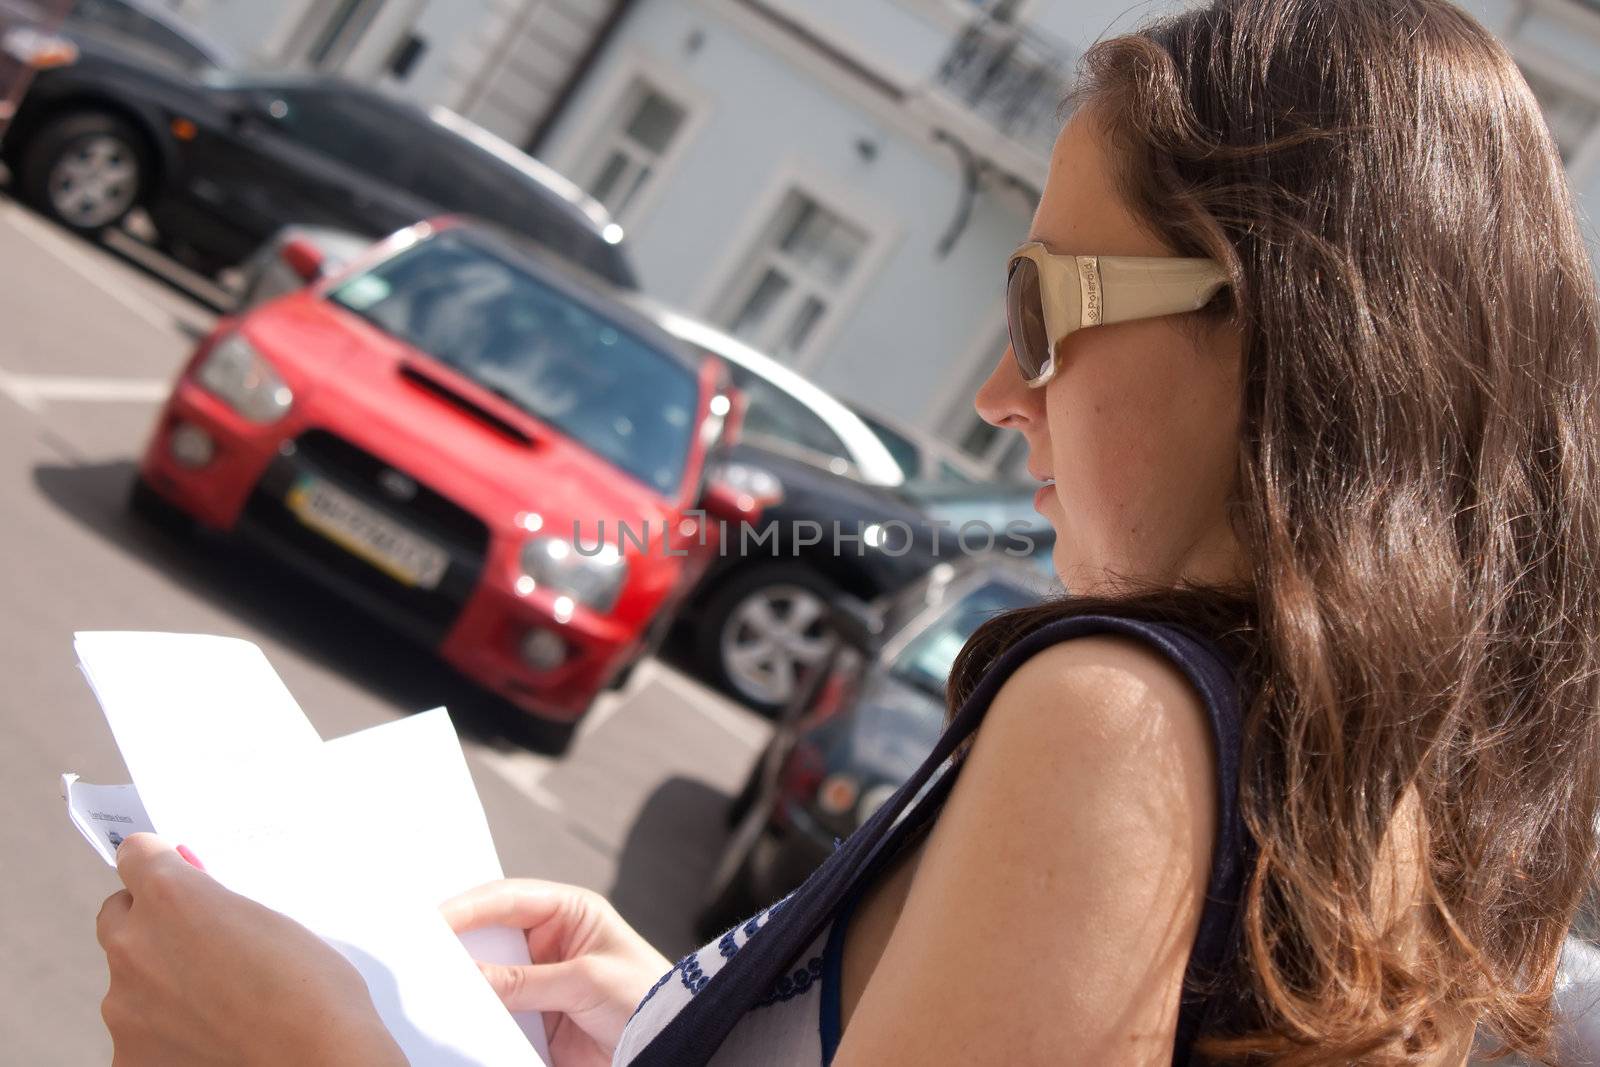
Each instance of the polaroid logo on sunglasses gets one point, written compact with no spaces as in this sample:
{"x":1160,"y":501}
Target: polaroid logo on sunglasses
{"x":1089,"y":284}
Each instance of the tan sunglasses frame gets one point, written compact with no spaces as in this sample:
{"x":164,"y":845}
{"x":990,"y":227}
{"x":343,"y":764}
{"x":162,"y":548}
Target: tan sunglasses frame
{"x":1080,"y":291}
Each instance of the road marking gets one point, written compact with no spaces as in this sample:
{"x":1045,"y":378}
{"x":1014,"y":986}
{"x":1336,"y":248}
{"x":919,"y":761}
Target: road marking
{"x":33,"y":391}
{"x":64,"y":249}
{"x":19,"y":394}
{"x":524,"y":772}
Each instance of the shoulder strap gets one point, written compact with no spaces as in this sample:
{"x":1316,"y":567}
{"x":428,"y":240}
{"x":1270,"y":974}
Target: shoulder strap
{"x":693,"y":1036}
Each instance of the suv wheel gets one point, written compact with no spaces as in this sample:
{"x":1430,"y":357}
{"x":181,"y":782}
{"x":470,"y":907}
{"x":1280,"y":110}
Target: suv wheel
{"x":758,"y":634}
{"x":85,"y":169}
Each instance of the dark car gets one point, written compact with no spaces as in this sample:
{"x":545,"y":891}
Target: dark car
{"x":222,"y":161}
{"x":759,"y":617}
{"x":856,"y":736}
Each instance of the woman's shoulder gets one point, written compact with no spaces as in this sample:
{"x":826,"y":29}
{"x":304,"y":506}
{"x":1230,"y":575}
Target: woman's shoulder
{"x":1081,"y":826}
{"x":1104,"y":703}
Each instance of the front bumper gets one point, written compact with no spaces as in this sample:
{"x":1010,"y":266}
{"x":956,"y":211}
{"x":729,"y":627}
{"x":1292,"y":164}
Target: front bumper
{"x":473,"y":617}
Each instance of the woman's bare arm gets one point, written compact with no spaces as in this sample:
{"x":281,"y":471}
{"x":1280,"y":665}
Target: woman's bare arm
{"x":1051,"y":915}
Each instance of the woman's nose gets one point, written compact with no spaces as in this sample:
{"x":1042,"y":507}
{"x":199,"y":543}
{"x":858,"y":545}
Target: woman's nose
{"x":1004,"y":400}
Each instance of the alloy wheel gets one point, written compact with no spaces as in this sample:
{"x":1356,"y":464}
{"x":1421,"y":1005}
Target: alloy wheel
{"x":95,"y":181}
{"x":770,"y":638}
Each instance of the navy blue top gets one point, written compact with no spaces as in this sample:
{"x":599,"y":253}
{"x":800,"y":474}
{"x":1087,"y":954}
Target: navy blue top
{"x":695,"y":1033}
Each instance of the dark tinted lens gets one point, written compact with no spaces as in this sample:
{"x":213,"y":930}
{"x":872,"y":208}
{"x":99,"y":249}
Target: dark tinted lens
{"x":1025,"y":319}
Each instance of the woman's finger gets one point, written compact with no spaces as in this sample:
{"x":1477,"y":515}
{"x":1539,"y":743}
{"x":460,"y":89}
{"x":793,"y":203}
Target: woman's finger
{"x":112,"y":912}
{"x":521,"y":903}
{"x":142,"y":857}
{"x":567,"y":987}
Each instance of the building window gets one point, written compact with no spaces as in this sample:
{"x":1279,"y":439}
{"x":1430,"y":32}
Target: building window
{"x":1571,"y":116}
{"x":1003,"y":452}
{"x":629,"y":153}
{"x":350,"y":18}
{"x":796,"y":274}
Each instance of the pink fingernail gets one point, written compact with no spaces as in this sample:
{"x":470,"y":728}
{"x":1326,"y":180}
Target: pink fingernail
{"x":194,"y":861}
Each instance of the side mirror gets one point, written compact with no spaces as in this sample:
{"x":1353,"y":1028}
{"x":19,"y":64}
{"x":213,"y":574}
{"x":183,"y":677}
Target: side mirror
{"x":304,"y":258}
{"x":737,"y":492}
{"x":728,"y":503}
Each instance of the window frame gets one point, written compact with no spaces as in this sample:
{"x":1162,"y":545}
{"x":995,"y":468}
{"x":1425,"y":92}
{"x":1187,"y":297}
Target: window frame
{"x":804,"y":287}
{"x":729,"y":284}
{"x":952,"y":410}
{"x":599,"y":124}
{"x":640,"y":161}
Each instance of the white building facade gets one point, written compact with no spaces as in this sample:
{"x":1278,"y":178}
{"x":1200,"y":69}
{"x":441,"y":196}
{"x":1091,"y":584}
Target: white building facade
{"x":837,"y":181}
{"x":503,"y":63}
{"x":833,"y":180}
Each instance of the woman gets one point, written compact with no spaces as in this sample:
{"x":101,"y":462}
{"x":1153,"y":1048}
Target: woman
{"x":1306,"y":770}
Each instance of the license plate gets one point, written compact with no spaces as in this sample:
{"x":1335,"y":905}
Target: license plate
{"x":368,"y":533}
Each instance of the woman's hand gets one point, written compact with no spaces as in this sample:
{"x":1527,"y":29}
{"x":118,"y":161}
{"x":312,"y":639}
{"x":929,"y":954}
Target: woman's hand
{"x":591,"y":968}
{"x":201,"y":976}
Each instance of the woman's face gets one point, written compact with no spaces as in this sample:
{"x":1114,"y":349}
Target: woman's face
{"x":1139,"y":427}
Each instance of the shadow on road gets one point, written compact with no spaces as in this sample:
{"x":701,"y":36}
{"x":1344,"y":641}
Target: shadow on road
{"x":269,"y":597}
{"x":666,"y":861}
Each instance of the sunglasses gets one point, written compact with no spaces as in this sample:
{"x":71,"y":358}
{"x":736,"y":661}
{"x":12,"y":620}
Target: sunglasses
{"x":1049,"y":296}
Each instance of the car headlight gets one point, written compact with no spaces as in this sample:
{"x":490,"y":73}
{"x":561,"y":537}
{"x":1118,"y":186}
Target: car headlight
{"x":37,"y":49}
{"x":235,"y":372}
{"x":593,"y":580}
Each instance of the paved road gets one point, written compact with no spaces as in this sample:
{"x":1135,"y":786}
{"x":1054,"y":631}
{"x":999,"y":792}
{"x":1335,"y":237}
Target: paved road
{"x":87,"y":344}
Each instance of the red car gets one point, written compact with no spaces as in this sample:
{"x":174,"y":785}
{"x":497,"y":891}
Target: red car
{"x":470,"y":438}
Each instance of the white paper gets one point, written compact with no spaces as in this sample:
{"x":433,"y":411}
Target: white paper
{"x":186,"y":707}
{"x":104,"y":814}
{"x":359,"y":838}
{"x":392,"y":807}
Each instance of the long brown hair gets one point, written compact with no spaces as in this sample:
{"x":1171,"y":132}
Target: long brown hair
{"x":1416,"y":495}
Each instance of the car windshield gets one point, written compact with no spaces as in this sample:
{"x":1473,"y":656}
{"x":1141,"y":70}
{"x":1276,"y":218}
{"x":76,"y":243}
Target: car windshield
{"x":925,"y":663}
{"x":527,"y":342}
{"x":129,"y":25}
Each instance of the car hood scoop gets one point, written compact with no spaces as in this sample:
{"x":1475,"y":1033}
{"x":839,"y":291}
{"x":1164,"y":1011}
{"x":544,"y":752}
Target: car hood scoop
{"x":452,"y":395}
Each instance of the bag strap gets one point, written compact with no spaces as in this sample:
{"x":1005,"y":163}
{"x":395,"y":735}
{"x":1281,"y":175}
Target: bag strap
{"x":693,"y":1036}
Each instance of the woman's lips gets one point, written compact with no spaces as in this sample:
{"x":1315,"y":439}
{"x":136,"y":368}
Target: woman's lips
{"x":1044,"y":492}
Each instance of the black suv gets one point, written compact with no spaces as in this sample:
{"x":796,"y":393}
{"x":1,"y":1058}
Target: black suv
{"x":221,"y":161}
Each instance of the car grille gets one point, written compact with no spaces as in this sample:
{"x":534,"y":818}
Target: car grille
{"x":426,"y":613}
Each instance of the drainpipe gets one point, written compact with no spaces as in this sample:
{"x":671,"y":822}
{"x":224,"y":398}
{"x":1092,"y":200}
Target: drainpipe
{"x":569,"y":88}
